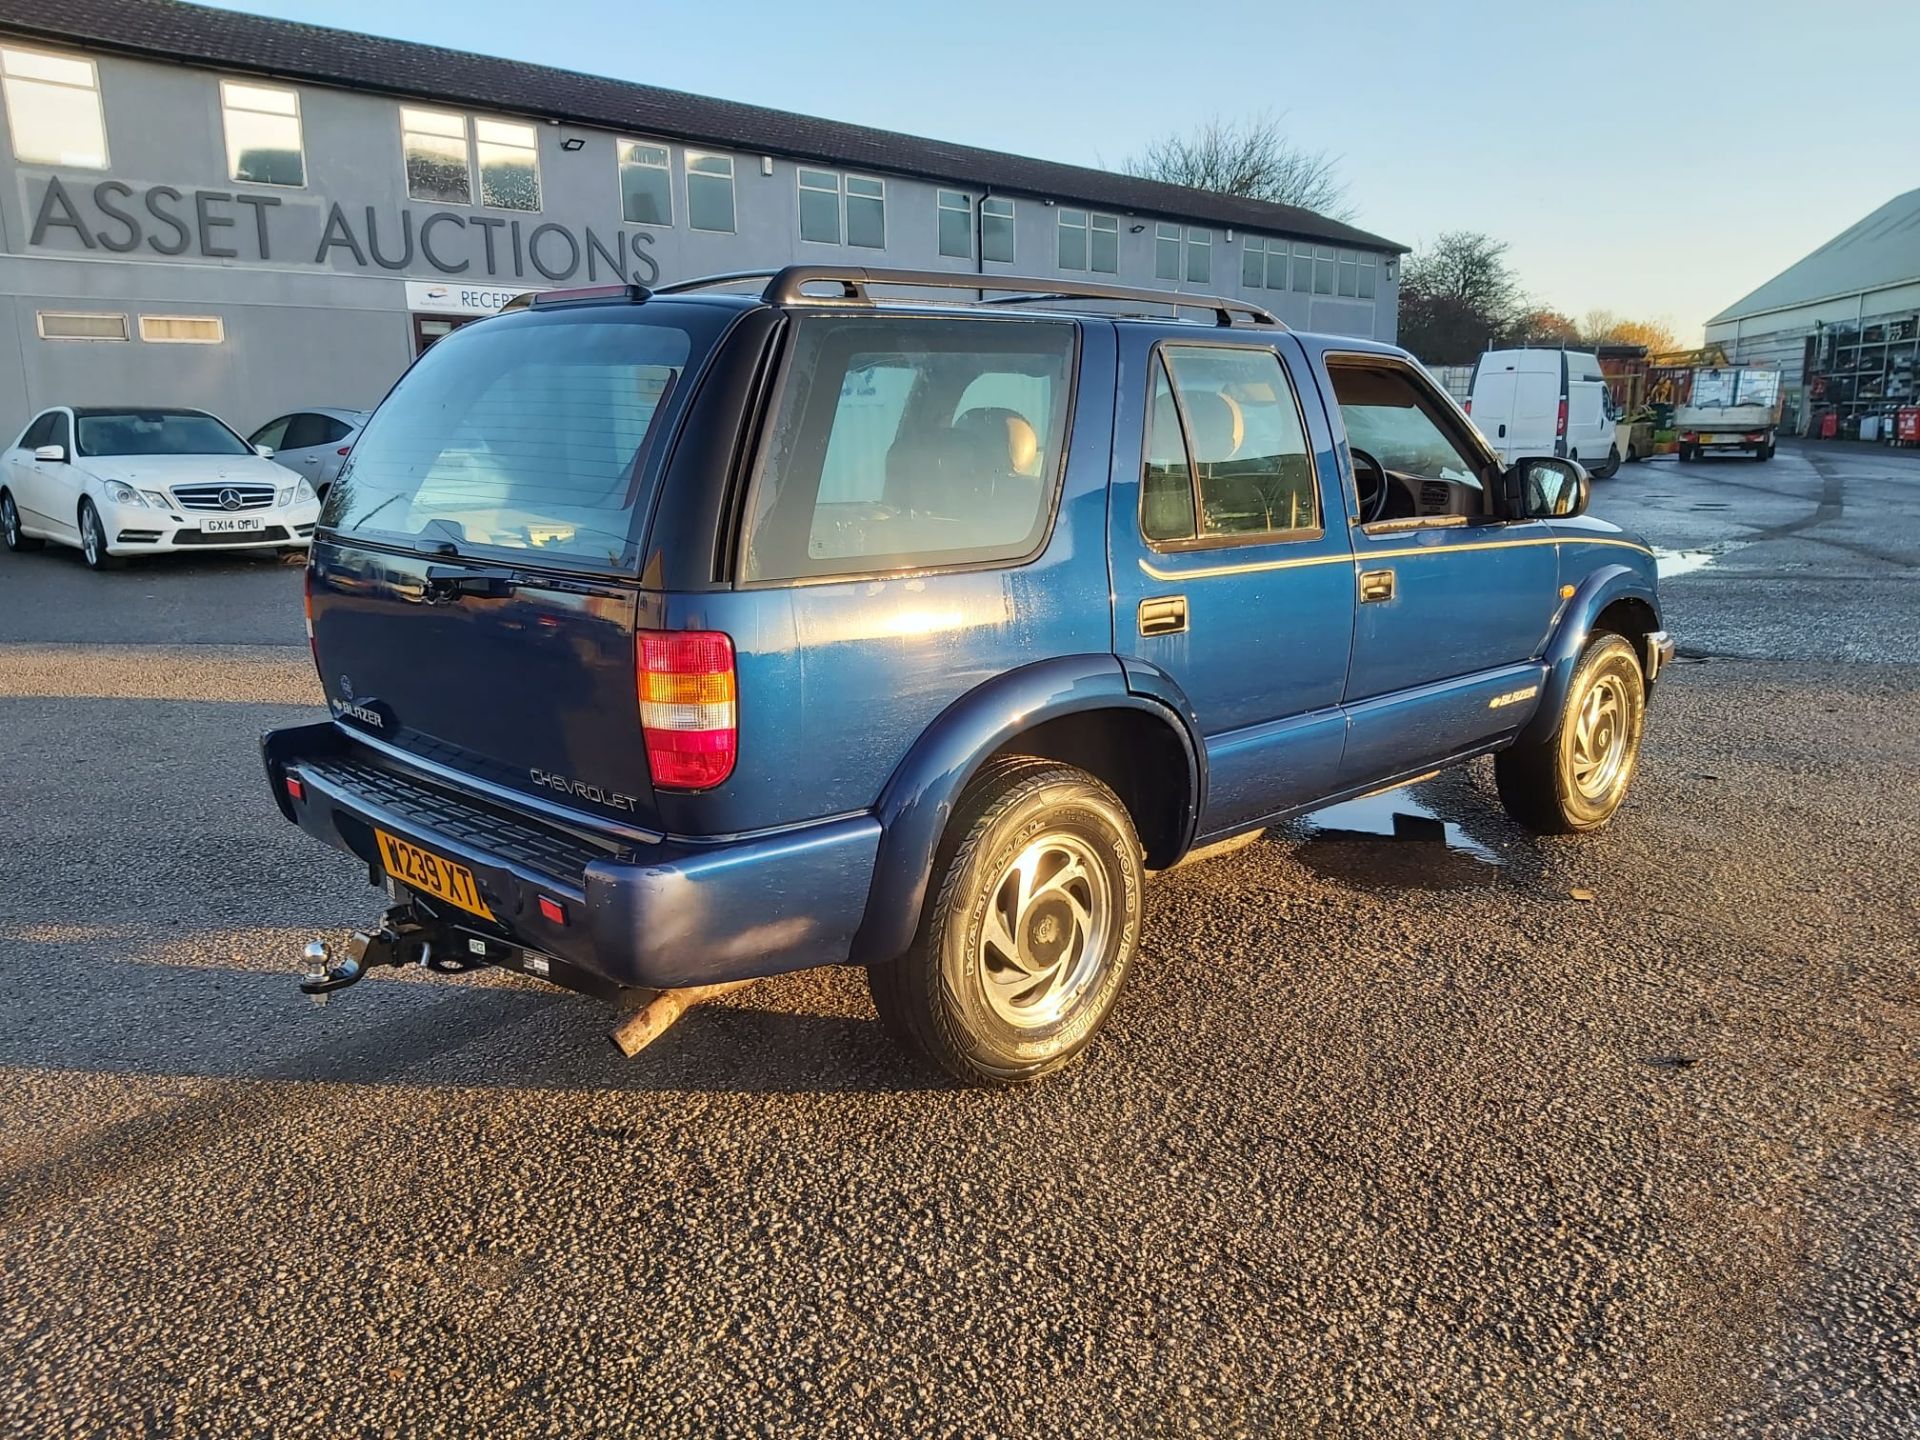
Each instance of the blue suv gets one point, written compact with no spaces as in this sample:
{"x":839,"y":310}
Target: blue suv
{"x":684,"y":636}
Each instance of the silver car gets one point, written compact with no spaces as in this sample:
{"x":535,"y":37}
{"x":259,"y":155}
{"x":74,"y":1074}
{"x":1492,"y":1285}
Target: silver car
{"x":314,"y":442}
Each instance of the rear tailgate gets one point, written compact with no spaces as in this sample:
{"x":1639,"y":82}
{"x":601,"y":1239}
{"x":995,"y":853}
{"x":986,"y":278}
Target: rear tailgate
{"x":474,"y":586}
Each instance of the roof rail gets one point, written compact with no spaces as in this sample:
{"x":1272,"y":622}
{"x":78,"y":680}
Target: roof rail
{"x":787,"y":287}
{"x":708,"y":282}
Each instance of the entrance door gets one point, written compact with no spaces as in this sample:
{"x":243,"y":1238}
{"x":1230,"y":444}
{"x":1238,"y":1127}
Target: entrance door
{"x":1232,"y":571}
{"x":429,"y":328}
{"x":1454,"y":601}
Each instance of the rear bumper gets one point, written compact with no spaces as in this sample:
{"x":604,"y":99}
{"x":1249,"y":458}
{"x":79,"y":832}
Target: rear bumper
{"x":663,"y":914}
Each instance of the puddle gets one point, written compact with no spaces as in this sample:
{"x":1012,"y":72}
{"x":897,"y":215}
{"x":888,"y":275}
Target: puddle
{"x":1670,"y":563}
{"x":1393,"y":840}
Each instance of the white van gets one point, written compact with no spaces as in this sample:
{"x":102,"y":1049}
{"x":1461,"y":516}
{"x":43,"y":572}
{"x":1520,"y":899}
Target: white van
{"x":1546,"y":402}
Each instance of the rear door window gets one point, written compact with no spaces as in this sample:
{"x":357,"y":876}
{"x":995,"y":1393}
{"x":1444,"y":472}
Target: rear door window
{"x":909,"y":443}
{"x":1227,"y":455}
{"x":519,"y":437}
{"x":306,"y":430}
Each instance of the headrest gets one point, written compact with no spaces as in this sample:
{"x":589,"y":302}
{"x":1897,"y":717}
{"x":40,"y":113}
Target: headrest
{"x":1014,"y":436}
{"x":1218,"y":424}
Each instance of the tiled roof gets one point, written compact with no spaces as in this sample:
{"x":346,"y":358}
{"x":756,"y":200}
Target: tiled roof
{"x":195,"y":33}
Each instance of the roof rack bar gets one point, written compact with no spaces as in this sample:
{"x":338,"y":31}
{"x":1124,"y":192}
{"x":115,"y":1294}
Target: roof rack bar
{"x":708,"y":282}
{"x":787,"y":287}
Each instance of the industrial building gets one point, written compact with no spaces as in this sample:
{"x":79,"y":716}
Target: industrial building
{"x":255,"y":216}
{"x":1843,"y":324}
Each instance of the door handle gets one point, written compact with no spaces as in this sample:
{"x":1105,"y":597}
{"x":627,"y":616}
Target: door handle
{"x":1375,"y":585}
{"x":1163,"y":615}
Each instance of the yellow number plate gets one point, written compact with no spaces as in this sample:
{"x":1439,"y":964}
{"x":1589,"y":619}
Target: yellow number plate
{"x":441,"y":879}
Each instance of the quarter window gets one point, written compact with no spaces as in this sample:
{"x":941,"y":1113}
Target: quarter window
{"x":1103,"y":239}
{"x":53,"y":109}
{"x":264,"y":144}
{"x":435,"y":142}
{"x":1199,"y":256}
{"x":909,"y":443}
{"x":710,"y":192}
{"x":646,"y":183}
{"x":1166,"y":253}
{"x":955,"y":209}
{"x":996,"y":229}
{"x":1072,"y":230}
{"x":1226,"y":453}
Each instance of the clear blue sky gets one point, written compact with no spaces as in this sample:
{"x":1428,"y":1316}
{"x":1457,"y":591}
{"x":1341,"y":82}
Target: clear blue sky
{"x":1658,"y":159}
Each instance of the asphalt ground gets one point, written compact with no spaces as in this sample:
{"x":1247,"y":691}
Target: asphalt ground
{"x":1386,"y":1138}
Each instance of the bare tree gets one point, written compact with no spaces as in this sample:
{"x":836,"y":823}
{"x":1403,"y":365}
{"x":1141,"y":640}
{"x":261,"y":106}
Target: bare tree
{"x":1251,"y":158}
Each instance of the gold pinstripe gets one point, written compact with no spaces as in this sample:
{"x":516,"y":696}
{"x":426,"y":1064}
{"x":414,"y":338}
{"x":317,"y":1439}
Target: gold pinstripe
{"x":1367,"y":557}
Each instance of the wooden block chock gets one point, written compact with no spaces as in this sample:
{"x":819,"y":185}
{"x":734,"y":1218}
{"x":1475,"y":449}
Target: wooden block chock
{"x":657,"y":1016}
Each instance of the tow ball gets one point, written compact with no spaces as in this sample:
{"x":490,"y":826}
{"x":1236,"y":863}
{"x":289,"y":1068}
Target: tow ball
{"x":402,"y":939}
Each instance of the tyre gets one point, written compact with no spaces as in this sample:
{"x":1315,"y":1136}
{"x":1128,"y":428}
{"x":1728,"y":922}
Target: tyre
{"x":1031,"y":923}
{"x":1633,"y":453}
{"x":1575,"y":778}
{"x":1612,"y":467}
{"x":1767,"y":453}
{"x":93,"y":540}
{"x":1688,"y":454}
{"x":10,"y":525}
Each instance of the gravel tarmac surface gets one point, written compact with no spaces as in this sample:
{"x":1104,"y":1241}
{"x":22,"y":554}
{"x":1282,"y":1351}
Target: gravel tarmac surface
{"x":1386,"y":1138}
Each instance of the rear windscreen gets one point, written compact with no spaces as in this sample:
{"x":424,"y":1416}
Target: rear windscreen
{"x":516,"y":437}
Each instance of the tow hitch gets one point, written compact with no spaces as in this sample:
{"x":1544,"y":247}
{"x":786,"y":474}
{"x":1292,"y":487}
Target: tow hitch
{"x":402,"y":939}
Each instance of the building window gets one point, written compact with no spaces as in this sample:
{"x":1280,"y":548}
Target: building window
{"x":1263,"y":264}
{"x":1166,"y":253}
{"x":1369,"y":276}
{"x":866,"y":212}
{"x":509,"y":156}
{"x":1199,"y":256}
{"x":263,"y":134}
{"x":1302,"y":269}
{"x":646,"y":183}
{"x":53,"y":109}
{"x":1349,"y":273}
{"x":1072,"y":231}
{"x":81,"y":325}
{"x":1323,"y":270}
{"x":956,"y":224}
{"x":182,"y":329}
{"x":435,"y":142}
{"x":996,"y":229}
{"x":819,"y":206}
{"x":710,"y":192}
{"x":1103,"y":236}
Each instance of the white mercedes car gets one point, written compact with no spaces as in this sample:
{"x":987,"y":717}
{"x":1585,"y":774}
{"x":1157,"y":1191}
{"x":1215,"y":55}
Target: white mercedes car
{"x":121,"y":481}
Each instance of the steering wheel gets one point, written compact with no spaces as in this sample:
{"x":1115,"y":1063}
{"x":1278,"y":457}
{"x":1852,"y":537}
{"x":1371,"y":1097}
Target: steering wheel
{"x":1373,"y":499}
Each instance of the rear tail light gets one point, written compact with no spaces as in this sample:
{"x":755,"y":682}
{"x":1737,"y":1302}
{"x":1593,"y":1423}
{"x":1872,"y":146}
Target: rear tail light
{"x":296,"y":787}
{"x":1560,"y":422}
{"x":687,"y":709}
{"x":344,"y":450}
{"x":1467,"y":405}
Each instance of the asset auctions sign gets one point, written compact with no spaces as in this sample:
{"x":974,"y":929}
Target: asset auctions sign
{"x":494,"y":251}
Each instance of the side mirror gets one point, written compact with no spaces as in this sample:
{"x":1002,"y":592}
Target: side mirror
{"x":52,"y":454}
{"x":1541,"y":487}
{"x":265,"y":452}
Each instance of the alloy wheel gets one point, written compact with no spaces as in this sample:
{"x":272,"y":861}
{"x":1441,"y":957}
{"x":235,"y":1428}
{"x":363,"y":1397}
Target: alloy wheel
{"x":1601,"y":737}
{"x":1045,"y":932}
